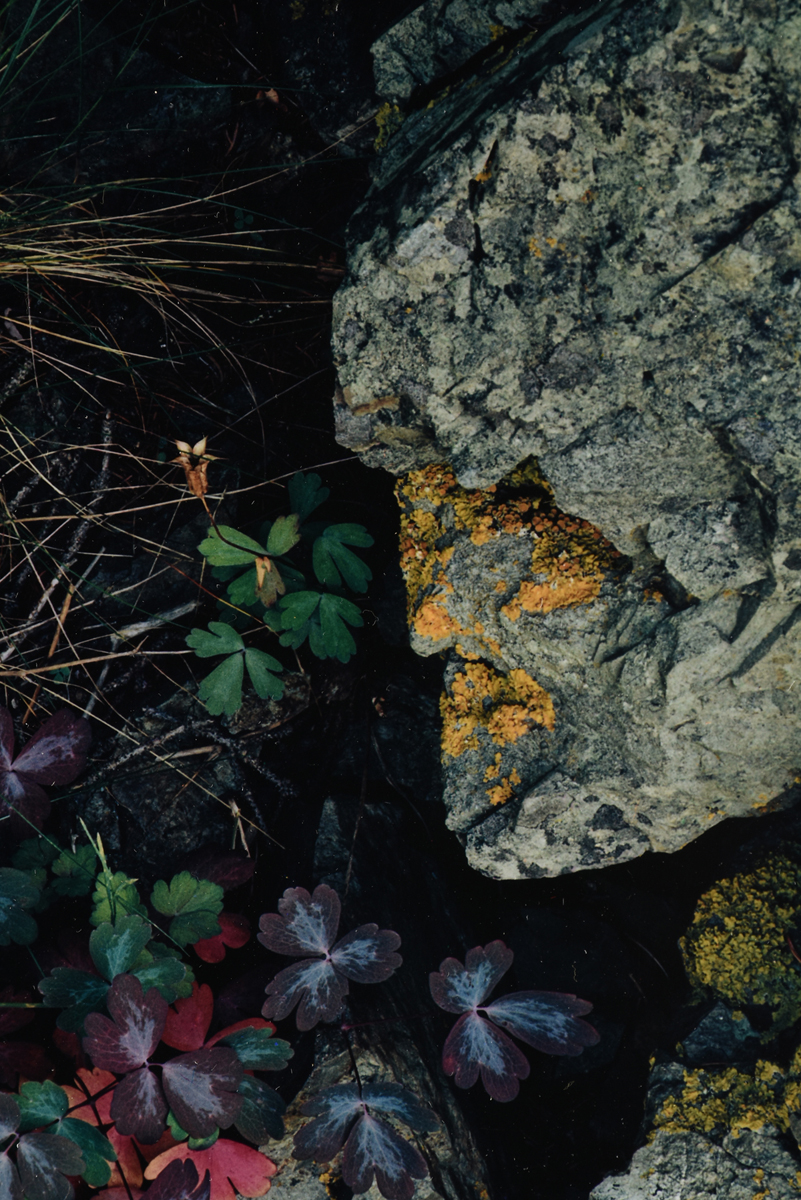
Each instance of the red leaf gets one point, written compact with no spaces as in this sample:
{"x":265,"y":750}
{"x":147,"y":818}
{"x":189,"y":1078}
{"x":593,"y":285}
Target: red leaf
{"x":228,"y":868}
{"x":202,"y":1089}
{"x":130,"y":1037}
{"x":188,"y":1020}
{"x":234,"y":932}
{"x":230,"y":1164}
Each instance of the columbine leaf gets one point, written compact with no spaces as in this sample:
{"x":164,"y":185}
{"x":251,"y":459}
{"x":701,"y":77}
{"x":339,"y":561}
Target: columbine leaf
{"x":222,"y":639}
{"x":43,"y":1161}
{"x":475,"y":1046}
{"x":546,"y":1020}
{"x":247,"y":1170}
{"x":56,"y":754}
{"x":297,"y":608}
{"x":40,"y":1104}
{"x":201,"y":1088}
{"x":10,"y":1186}
{"x":16,"y":894}
{"x":138,"y":1107}
{"x":179,"y":1181}
{"x":237,"y":549}
{"x":269,"y":584}
{"x":458,"y":988}
{"x":234,"y":932}
{"x":115,"y":895}
{"x":188,"y":1020}
{"x":283,"y":535}
{"x":334,"y":1109}
{"x":229,"y":868}
{"x":9,"y":1116}
{"x":304,"y":924}
{"x":75,"y":872}
{"x":336,"y":641}
{"x":166,"y":973}
{"x":375,"y":1149}
{"x":260,"y":1116}
{"x":194,"y":905}
{"x":366,"y":955}
{"x":401,"y":1103}
{"x":332,"y":561}
{"x":97,"y":1150}
{"x":306,"y":493}
{"x":314,"y":985}
{"x":221,"y":691}
{"x":77,"y":992}
{"x":115,"y":948}
{"x":256,"y":1048}
{"x":262,"y":669}
{"x":242,"y":590}
{"x":128,"y":1038}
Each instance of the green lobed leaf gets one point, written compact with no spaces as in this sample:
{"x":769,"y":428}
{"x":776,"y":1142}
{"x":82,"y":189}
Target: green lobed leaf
{"x":333,"y":561}
{"x":34,"y":853}
{"x":194,"y":905}
{"x":115,"y":893}
{"x":175,"y":1129}
{"x":272,"y":585}
{"x":334,"y":612}
{"x":297,"y":608}
{"x":115,"y":948}
{"x":75,"y":872}
{"x":96,"y":1149}
{"x":260,"y":1116}
{"x":221,"y":691}
{"x":242,"y":590}
{"x":257,"y":1049}
{"x":171,"y":978}
{"x":17,"y":892}
{"x":237,"y":548}
{"x":40,"y":1104}
{"x":221,"y":640}
{"x":202,"y":1143}
{"x":284,"y":534}
{"x":77,"y":992}
{"x":262,"y":670}
{"x":306,"y":493}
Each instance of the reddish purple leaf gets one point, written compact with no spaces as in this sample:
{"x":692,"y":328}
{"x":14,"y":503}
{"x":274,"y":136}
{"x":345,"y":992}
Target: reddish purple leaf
{"x":306,"y":925}
{"x":314,"y":985}
{"x":43,"y":1161}
{"x":130,"y":1037}
{"x":374,"y":1149}
{"x":202,"y":1089}
{"x":367,"y":954}
{"x":178,"y":1181}
{"x":138,"y":1107}
{"x":56,"y":754}
{"x":228,"y":868}
{"x":546,"y":1020}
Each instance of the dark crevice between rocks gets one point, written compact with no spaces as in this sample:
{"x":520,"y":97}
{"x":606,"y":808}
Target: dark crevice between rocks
{"x":767,"y":642}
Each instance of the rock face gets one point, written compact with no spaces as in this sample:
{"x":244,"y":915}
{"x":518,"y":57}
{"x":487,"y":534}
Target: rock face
{"x":588,"y":252}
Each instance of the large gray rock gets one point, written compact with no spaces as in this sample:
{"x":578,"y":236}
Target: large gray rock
{"x":590,"y":252}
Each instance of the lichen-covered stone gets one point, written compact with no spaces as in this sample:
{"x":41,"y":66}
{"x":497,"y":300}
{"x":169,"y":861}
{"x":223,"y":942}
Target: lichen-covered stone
{"x":589,"y":251}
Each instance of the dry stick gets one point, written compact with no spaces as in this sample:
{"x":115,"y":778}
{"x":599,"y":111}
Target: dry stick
{"x":60,"y":619}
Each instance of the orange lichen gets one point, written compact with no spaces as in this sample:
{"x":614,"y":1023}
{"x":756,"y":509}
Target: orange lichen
{"x":432,"y":620}
{"x":504,"y":706}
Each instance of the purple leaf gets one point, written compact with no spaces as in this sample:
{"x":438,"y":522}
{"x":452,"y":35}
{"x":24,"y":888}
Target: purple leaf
{"x":548,"y":1021}
{"x":43,"y":1162}
{"x":130,"y":1037}
{"x":202,"y":1089}
{"x":56,"y":754}
{"x":335,"y":1110}
{"x":228,"y":868}
{"x":399,"y":1102}
{"x":307,"y":924}
{"x":374,"y":1148}
{"x":366,"y":955}
{"x":458,"y":988}
{"x":178,"y":1181}
{"x":10,"y":1185}
{"x":314,"y":984}
{"x":138,"y":1107}
{"x":474,"y":1046}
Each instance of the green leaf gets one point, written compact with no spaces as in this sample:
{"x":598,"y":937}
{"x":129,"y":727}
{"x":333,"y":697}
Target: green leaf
{"x":242,"y":590}
{"x":333,"y":562}
{"x":306,"y":493}
{"x":97,"y":1150}
{"x":34,"y":853}
{"x":257,"y":1049}
{"x":259,"y":1118}
{"x":17,"y":892}
{"x":202,"y":1143}
{"x":222,"y":640}
{"x":284,"y":534}
{"x":75,"y":873}
{"x":297,"y":608}
{"x":221,"y":691}
{"x":272,"y":585}
{"x":77,"y":992}
{"x":237,"y":548}
{"x":115,"y":948}
{"x":334,"y":612}
{"x":261,"y":669}
{"x":194,"y":905}
{"x":171,"y":978}
{"x":40,"y":1104}
{"x":115,"y":894}
{"x":177,"y":1132}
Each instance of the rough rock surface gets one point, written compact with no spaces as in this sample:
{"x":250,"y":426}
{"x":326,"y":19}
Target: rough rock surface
{"x":589,"y":252}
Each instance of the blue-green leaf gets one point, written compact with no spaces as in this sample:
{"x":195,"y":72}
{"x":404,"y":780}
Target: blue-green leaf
{"x":237,"y":548}
{"x":115,"y":948}
{"x":260,"y":1116}
{"x":262,"y":669}
{"x":221,"y":640}
{"x":17,"y":892}
{"x":41,"y":1104}
{"x":306,"y":493}
{"x":333,"y":561}
{"x":96,"y":1149}
{"x":221,"y":691}
{"x":257,"y":1049}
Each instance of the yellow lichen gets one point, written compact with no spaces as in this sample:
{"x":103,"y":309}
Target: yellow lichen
{"x":388,"y":119}
{"x":504,"y":706}
{"x":737,"y":944}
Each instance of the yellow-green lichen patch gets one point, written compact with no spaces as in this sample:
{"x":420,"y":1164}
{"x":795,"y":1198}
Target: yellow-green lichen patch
{"x":737,"y":944}
{"x":716,"y":1103}
{"x":505,"y":707}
